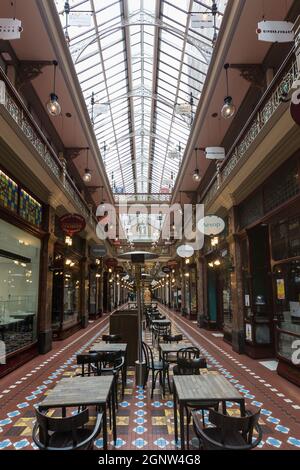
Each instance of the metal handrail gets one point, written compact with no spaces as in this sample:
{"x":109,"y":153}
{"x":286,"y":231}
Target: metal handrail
{"x":255,"y":121}
{"x":48,"y":151}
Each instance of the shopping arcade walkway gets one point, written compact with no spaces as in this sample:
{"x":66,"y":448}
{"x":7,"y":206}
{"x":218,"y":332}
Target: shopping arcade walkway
{"x":144,"y":423}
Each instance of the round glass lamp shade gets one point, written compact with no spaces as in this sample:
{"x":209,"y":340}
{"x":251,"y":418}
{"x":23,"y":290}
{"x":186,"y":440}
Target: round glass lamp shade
{"x":196,"y":175}
{"x":53,"y":106}
{"x":228,"y":109}
{"x":87,"y":177}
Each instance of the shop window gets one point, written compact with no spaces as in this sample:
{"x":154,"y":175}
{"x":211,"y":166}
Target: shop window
{"x":19,"y":286}
{"x":285,"y":238}
{"x":66,"y":291}
{"x":287,"y":301}
{"x":8,"y":193}
{"x":283,"y":186}
{"x":71,"y":295}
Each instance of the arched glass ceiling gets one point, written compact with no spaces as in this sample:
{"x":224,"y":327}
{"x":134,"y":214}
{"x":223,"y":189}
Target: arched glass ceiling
{"x":140,"y":59}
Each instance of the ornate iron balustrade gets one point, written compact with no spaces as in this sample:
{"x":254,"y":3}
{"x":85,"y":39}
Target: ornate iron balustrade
{"x":269,"y":104}
{"x":16,"y":108}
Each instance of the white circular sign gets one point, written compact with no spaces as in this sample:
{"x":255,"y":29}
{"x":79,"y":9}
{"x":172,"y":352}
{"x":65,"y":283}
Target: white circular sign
{"x":185,"y":251}
{"x":211,"y":225}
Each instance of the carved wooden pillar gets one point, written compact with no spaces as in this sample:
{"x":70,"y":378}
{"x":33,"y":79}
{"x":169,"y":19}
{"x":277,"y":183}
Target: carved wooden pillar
{"x":46,"y":284}
{"x":84,"y":286}
{"x":238,"y":337}
{"x":183,"y":291}
{"x":200,"y":288}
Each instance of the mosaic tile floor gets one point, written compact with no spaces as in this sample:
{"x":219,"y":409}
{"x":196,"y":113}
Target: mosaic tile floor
{"x":142,"y":422}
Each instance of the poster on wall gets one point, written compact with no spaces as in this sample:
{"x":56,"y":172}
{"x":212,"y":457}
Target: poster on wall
{"x":280,"y":289}
{"x":248,"y":332}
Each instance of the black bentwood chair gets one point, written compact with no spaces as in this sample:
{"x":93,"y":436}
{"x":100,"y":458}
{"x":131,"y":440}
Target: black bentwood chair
{"x":157,"y":368}
{"x":111,"y":338}
{"x":89,"y":363}
{"x":229,"y":432}
{"x":65,"y":433}
{"x":189,"y":362}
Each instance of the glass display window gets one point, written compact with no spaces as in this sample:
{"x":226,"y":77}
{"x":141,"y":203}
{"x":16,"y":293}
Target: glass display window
{"x":19,"y":286}
{"x":287,"y":306}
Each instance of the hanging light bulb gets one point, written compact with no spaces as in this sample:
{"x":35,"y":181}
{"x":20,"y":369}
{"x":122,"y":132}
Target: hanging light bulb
{"x":53,"y":106}
{"x":229,"y":108}
{"x":196,"y":175}
{"x":87,"y":177}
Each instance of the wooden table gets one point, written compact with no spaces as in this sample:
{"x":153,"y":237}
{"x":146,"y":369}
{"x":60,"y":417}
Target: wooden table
{"x":161,"y":322}
{"x":168,"y":348}
{"x":196,"y":388}
{"x":84,"y":391}
{"x":113,"y":347}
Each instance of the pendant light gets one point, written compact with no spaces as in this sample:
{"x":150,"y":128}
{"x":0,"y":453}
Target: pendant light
{"x":53,"y":106}
{"x":228,"y":109}
{"x":87,"y":177}
{"x":196,"y":174}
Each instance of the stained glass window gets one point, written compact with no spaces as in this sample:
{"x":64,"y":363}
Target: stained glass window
{"x":8,"y":193}
{"x":30,"y":209}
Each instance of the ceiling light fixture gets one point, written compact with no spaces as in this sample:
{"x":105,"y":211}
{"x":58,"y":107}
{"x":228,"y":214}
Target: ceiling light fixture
{"x":53,"y":106}
{"x":196,"y":174}
{"x":229,"y":108}
{"x":87,"y":177}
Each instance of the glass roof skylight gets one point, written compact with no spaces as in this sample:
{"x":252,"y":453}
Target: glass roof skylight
{"x":141,"y":62}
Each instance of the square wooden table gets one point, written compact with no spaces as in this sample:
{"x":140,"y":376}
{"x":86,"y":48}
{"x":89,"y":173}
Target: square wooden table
{"x":84,"y":391}
{"x":168,"y":348}
{"x":113,"y":347}
{"x":189,"y":389}
{"x":161,"y":322}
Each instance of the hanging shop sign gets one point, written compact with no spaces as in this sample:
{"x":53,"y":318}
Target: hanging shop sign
{"x":275,"y":31}
{"x":10,"y":28}
{"x":80,"y":19}
{"x":111,"y":263}
{"x":166,"y":269}
{"x":215,"y":153}
{"x":119,"y":269}
{"x":211,"y":225}
{"x":172,"y":264}
{"x":202,"y":20}
{"x":98,"y":251}
{"x":185,"y":251}
{"x":71,"y":224}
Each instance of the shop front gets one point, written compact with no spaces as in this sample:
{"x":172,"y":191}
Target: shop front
{"x":285,"y":239}
{"x":21,"y":242}
{"x":270,"y":254}
{"x":68,"y":285}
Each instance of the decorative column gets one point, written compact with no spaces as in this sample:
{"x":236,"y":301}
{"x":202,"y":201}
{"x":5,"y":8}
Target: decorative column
{"x":182,"y":285}
{"x":46,"y":283}
{"x":200,"y":288}
{"x":101,"y":287}
{"x":238,"y":335}
{"x":84,"y":286}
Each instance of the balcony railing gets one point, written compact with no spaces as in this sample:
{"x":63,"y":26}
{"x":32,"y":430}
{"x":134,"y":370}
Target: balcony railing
{"x":280,"y":87}
{"x":18,"y":111}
